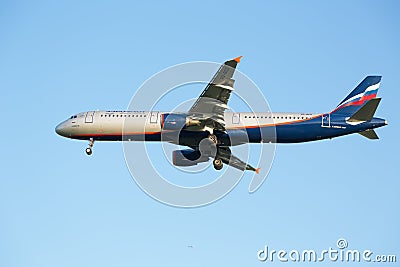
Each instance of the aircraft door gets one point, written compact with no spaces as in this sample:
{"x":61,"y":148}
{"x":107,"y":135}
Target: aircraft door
{"x":235,"y":118}
{"x":326,"y":120}
{"x":89,"y":117}
{"x":153,"y":117}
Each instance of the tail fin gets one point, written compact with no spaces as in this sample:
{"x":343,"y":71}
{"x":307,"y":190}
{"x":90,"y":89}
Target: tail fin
{"x":365,"y":91}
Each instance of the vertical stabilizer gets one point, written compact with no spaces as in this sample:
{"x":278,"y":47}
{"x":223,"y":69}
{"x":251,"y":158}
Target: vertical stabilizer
{"x":364,"y":92}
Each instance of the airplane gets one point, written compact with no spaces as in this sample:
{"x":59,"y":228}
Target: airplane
{"x":209,"y":120}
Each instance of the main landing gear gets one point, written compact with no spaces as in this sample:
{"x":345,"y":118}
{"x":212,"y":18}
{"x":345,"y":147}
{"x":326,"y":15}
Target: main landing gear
{"x":213,"y":138}
{"x":89,"y":148}
{"x":217,"y":162}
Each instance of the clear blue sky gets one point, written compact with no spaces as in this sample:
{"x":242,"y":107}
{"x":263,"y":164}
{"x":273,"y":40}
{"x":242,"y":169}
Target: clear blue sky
{"x":60,"y":208}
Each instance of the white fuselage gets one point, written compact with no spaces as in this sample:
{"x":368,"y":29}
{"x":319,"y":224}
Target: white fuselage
{"x":92,"y":124}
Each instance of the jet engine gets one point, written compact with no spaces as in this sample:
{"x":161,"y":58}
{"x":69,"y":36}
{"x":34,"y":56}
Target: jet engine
{"x":177,"y":121}
{"x":187,"y":157}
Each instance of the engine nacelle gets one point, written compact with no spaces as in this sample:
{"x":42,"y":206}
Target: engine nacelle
{"x":177,"y":121}
{"x":187,"y":157}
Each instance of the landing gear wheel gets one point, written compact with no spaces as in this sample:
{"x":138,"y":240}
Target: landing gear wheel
{"x":213,"y":138}
{"x":218,"y":164}
{"x":88,"y":151}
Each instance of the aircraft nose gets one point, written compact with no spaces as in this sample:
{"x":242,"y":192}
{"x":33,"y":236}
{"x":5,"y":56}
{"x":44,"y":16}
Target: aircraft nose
{"x":60,"y":129}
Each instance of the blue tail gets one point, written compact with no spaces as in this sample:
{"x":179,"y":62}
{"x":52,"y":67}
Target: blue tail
{"x":365,"y":91}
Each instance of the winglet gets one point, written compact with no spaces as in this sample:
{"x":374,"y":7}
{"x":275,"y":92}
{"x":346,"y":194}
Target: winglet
{"x":238,"y":59}
{"x":257,"y":170}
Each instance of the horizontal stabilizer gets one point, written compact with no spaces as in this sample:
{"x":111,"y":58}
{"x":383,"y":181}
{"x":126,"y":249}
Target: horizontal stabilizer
{"x":370,"y":134}
{"x":366,"y":112}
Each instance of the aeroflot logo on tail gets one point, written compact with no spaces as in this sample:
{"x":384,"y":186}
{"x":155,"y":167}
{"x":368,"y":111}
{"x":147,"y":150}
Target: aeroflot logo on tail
{"x":359,"y":99}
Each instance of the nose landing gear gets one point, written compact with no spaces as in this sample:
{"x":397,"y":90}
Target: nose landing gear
{"x":89,"y":149}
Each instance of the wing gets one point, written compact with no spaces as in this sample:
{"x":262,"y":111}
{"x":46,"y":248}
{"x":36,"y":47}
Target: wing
{"x":212,"y":103}
{"x":225,"y":154}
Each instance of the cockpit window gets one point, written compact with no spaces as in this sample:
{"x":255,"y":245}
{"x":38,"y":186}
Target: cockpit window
{"x":73,"y":117}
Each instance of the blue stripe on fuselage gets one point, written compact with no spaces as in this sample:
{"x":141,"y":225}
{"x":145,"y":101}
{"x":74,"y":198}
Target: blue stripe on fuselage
{"x":310,"y":130}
